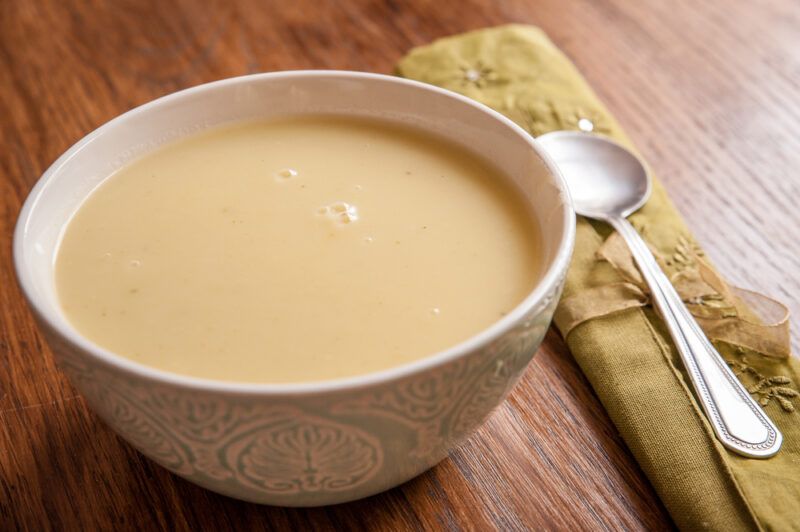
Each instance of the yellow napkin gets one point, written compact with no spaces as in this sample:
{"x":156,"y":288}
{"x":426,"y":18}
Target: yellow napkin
{"x":627,"y":355}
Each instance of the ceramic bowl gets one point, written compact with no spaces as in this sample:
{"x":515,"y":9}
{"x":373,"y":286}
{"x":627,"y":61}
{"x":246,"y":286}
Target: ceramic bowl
{"x":313,"y":443}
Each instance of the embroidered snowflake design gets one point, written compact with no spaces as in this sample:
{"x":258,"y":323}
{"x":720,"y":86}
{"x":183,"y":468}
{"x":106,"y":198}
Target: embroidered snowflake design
{"x":541,"y":121}
{"x":477,"y":75}
{"x":583,"y":120}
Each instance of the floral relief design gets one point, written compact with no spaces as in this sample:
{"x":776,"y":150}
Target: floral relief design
{"x":446,"y":405}
{"x":421,"y":404}
{"x":206,"y":461}
{"x":241,"y":446}
{"x":275,"y":450}
{"x":304,"y":454}
{"x":143,"y":431}
{"x":488,"y":391}
{"x":203,"y":419}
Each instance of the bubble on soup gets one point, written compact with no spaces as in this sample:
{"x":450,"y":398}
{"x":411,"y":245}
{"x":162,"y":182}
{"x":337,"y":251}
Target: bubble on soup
{"x":340,"y":212}
{"x":286,"y":173}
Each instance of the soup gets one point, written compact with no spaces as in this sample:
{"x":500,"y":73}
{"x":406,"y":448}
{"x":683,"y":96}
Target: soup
{"x":298,"y":249}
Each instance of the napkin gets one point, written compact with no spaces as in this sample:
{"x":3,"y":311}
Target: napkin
{"x":624,"y":349}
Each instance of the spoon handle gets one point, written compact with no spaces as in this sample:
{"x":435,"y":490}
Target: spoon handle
{"x":738,"y":421}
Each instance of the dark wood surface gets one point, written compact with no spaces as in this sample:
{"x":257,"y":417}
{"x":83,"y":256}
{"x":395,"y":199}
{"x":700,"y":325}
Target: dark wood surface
{"x":710,"y":91}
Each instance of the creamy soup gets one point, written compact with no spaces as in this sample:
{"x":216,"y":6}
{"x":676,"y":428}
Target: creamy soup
{"x":296,"y":250}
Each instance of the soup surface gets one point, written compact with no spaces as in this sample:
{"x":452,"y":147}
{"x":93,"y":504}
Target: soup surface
{"x":294,"y":250}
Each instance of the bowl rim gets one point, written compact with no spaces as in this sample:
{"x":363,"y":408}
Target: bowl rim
{"x":547,"y":283}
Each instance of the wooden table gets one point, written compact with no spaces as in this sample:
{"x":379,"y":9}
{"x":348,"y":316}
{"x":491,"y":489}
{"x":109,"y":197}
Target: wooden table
{"x":709,"y":90}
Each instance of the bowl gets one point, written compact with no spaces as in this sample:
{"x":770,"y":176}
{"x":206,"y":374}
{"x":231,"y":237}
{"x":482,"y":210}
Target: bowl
{"x":313,"y":443}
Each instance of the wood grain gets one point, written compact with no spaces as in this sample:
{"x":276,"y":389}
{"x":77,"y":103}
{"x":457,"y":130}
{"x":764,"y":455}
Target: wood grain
{"x":710,"y":91}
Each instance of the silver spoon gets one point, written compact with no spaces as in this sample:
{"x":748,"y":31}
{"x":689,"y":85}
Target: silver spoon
{"x":608,"y":183}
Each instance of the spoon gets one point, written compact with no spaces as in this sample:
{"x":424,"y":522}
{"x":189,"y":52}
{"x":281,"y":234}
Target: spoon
{"x":608,"y":183}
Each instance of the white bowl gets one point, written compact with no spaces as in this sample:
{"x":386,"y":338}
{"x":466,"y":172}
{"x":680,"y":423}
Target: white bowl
{"x":322,"y":442}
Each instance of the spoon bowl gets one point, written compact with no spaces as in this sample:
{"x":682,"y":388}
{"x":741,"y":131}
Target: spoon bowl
{"x":604,"y":178}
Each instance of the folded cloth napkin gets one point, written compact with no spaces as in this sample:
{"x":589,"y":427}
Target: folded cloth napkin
{"x":622,"y":346}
